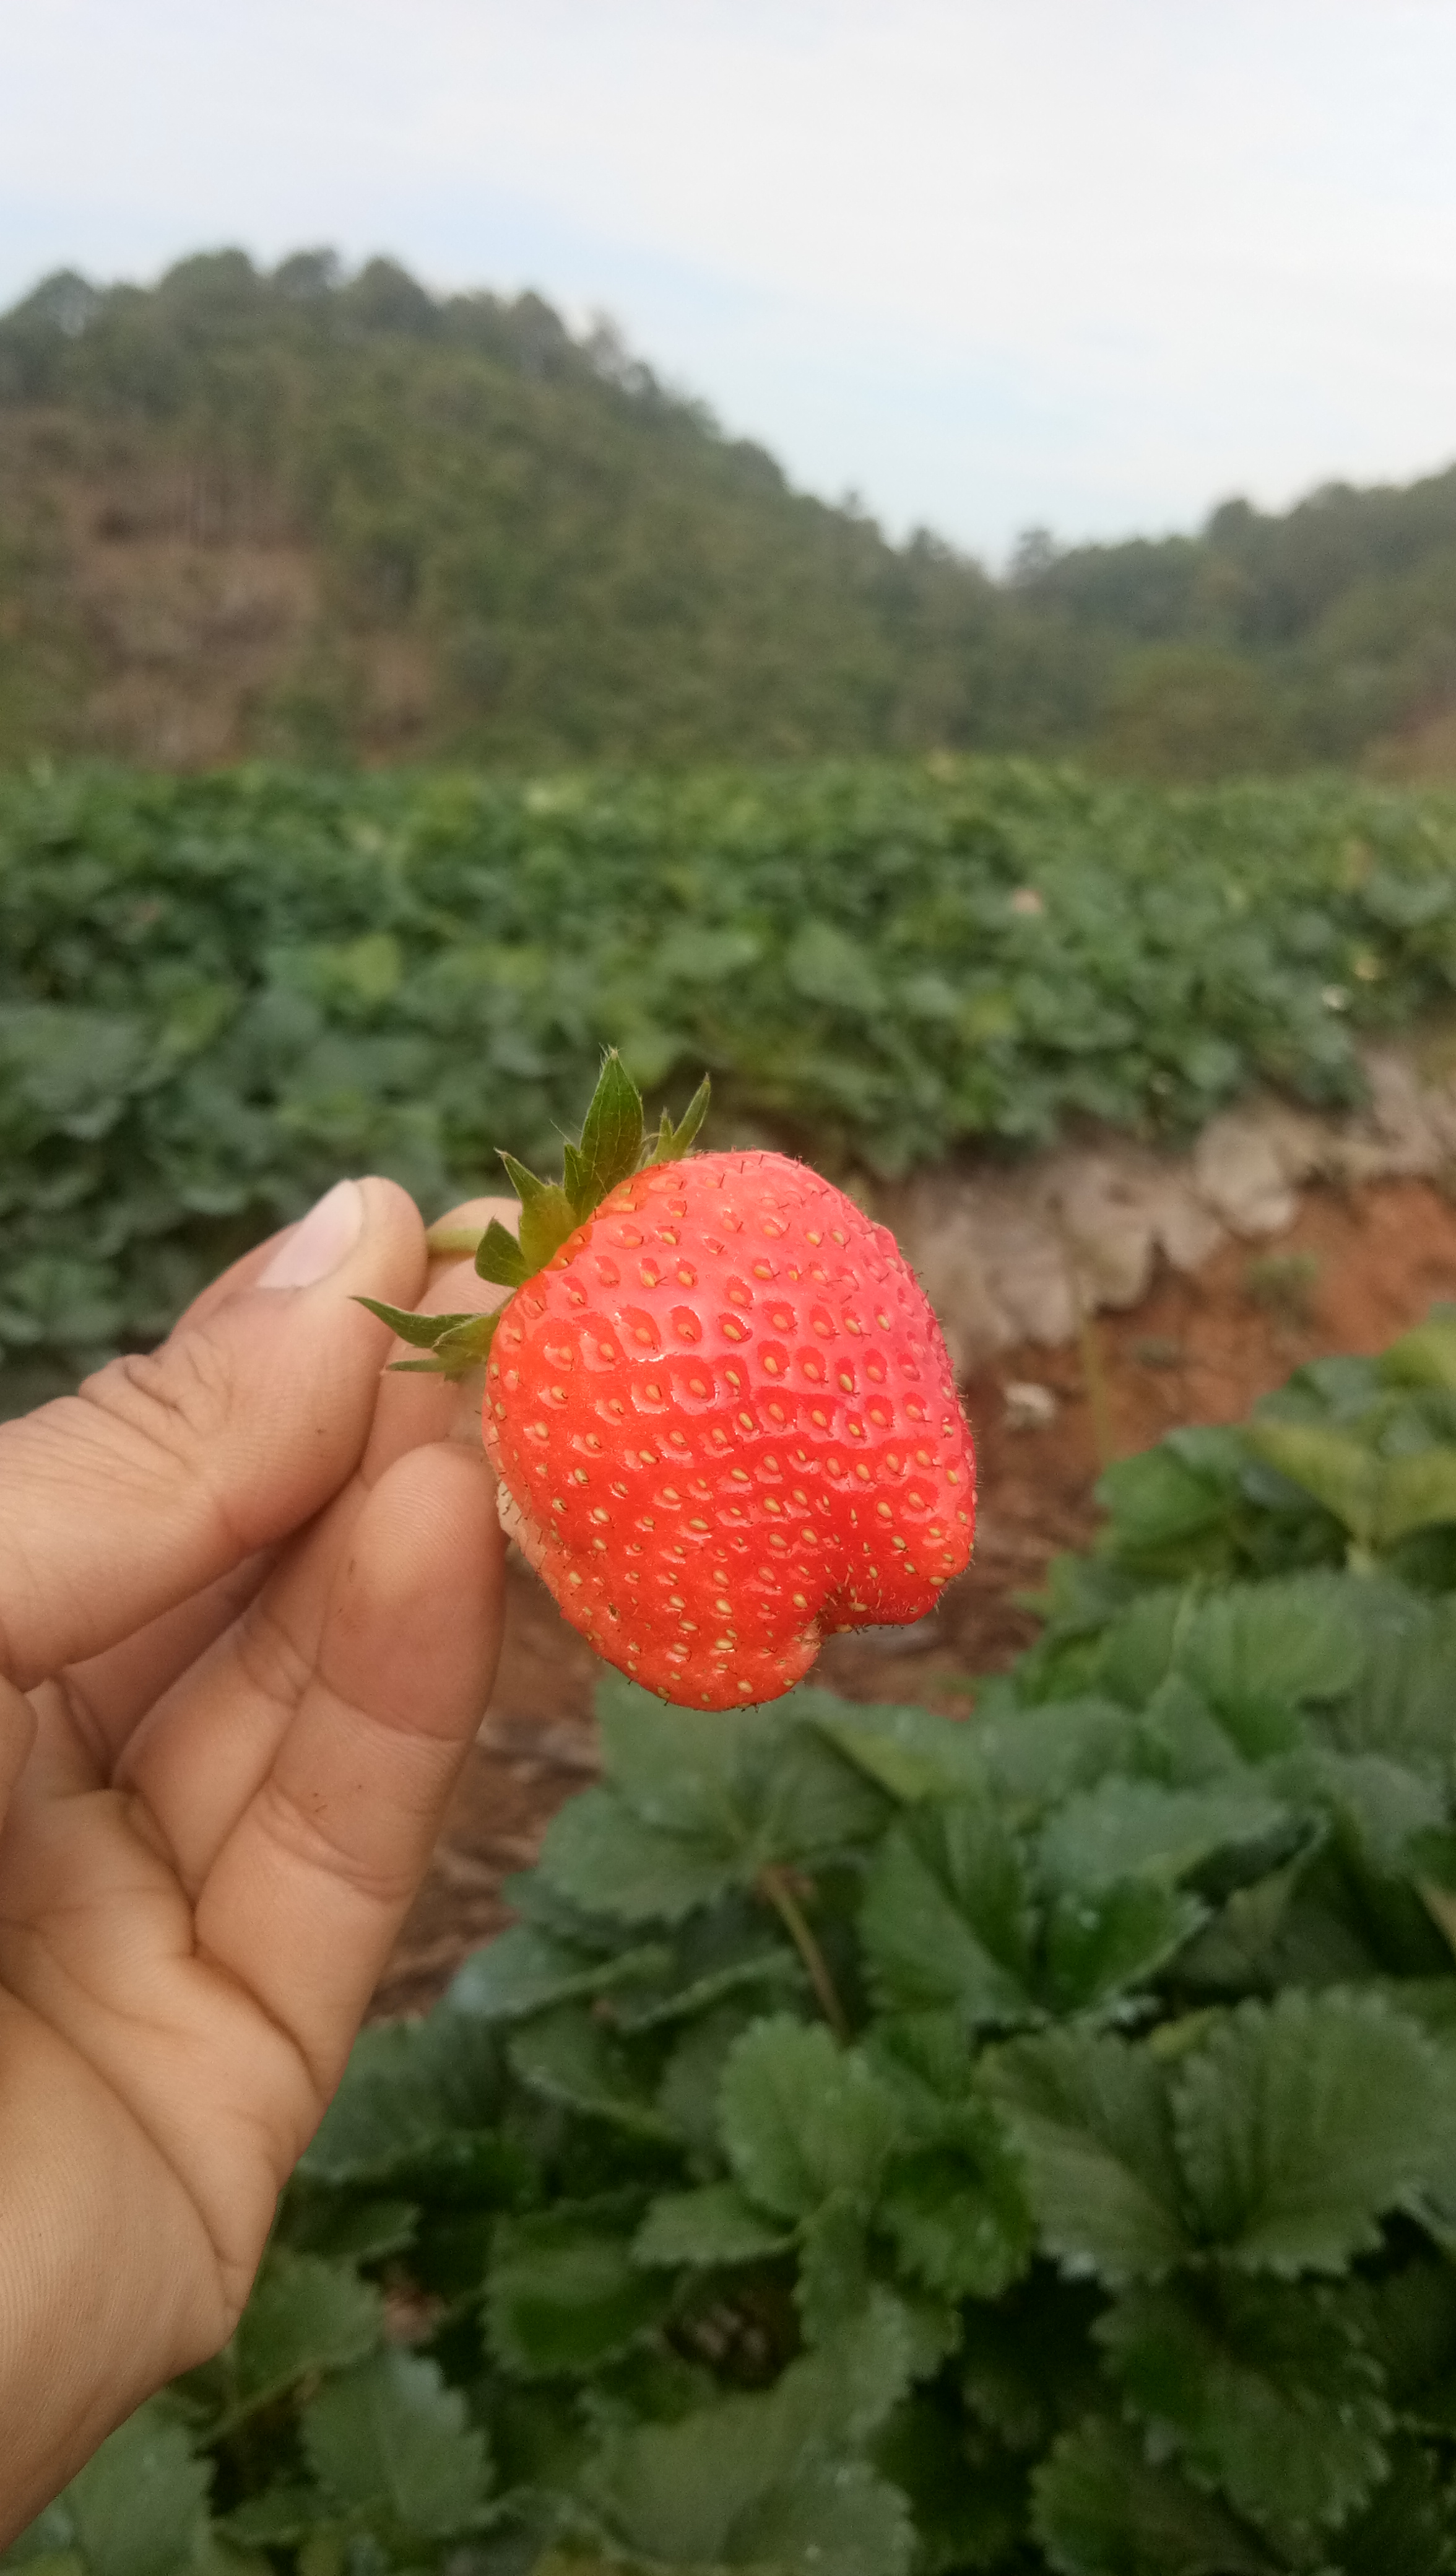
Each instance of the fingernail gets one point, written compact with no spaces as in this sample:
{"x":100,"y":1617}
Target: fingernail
{"x":320,"y":1241}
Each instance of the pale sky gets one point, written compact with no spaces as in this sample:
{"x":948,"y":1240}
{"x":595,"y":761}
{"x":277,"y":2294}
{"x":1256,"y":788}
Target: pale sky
{"x":1095,"y":264}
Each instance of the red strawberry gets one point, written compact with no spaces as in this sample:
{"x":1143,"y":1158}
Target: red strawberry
{"x":721,"y":1412}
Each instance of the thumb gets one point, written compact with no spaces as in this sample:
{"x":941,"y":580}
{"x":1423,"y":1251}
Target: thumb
{"x":168,"y":1469}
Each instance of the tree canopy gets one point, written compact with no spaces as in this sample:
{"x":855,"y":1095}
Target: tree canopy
{"x":339,"y":516}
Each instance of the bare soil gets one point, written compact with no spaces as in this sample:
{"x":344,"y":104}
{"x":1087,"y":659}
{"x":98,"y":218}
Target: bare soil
{"x":1354,"y":1270}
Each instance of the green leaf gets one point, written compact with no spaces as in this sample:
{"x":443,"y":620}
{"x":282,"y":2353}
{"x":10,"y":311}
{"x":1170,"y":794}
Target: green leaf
{"x":834,"y":2276}
{"x":769,"y":2482}
{"x":611,"y":1136}
{"x":1263,"y":2391}
{"x":1337,"y":1469}
{"x":349,"y":2230}
{"x":676,"y":1769}
{"x":527,"y":1187}
{"x":957,"y":2212}
{"x":1406,"y":2526}
{"x":909,"y":1752}
{"x":1172,"y":1499}
{"x":459,"y":1342}
{"x":467,"y":1343}
{"x":969,"y":2510}
{"x":601,"y":1857}
{"x":825,"y":965}
{"x":547,"y":1214}
{"x":421,"y":1331}
{"x":924,"y":2059}
{"x":389,"y":2441}
{"x":1424,"y":1357}
{"x":305,"y":2314}
{"x":673,"y":1143}
{"x":417,"y":2113}
{"x":279,"y":2518}
{"x":573,"y":1172}
{"x":1101,"y":1943}
{"x":44,"y":2547}
{"x":564,"y":2294}
{"x":1386,"y":1845}
{"x":524,"y":1971}
{"x":1139,"y":1645}
{"x":1401,"y":1706}
{"x":1258,"y":1652}
{"x":1234,"y":1951}
{"x":1417,"y":1492}
{"x":693,"y":2075}
{"x":712,"y":2227}
{"x":802,"y":2119}
{"x":567,"y":2056}
{"x":693,"y":1805}
{"x":499,"y":1258}
{"x":1138,"y":1829}
{"x":1028,"y":2367}
{"x":1102,"y":2508}
{"x":694,"y":951}
{"x":1408,"y":2322}
{"x":946,"y":1921}
{"x":1301,"y":2122}
{"x":1038,"y":1756}
{"x":1091,"y":2119}
{"x":1182,"y":1745}
{"x":138,"y":2507}
{"x":755,"y":1786}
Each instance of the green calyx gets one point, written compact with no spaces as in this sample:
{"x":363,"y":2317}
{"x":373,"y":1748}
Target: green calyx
{"x":612,"y":1146}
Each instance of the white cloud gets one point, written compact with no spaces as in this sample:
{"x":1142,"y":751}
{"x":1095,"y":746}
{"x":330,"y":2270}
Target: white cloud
{"x":1095,"y":262}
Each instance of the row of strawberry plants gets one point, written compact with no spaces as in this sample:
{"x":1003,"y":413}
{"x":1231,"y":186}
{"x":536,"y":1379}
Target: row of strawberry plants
{"x":908,"y":2147}
{"x":217,"y":993}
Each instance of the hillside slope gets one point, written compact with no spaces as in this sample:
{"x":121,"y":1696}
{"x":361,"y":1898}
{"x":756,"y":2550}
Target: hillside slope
{"x":330,"y":517}
{"x":1327,"y":633}
{"x":288,"y":514}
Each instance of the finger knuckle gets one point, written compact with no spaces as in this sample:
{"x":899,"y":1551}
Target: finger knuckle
{"x":311,"y":1837}
{"x":171,"y":1409}
{"x":175,"y":1400}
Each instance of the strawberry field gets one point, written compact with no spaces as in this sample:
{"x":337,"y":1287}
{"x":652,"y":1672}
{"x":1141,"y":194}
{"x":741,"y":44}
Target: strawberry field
{"x":217,"y":993}
{"x":904,"y":2147}
{"x":883,"y":2144}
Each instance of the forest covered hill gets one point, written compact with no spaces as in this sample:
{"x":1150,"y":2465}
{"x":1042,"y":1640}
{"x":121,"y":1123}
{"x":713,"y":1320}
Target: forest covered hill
{"x":325,"y":516}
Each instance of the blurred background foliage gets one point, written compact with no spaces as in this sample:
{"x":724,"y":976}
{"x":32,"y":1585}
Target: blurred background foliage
{"x":217,"y":993}
{"x":333,"y":517}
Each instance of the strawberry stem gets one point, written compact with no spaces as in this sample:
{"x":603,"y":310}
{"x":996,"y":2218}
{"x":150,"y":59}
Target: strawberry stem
{"x":454,"y":1240}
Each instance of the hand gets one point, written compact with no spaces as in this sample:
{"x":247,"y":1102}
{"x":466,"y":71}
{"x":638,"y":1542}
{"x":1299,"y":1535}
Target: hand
{"x":250,"y":1605}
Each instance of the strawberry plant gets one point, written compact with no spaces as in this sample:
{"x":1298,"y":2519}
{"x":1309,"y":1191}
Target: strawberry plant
{"x":905,"y":2146}
{"x":217,"y":993}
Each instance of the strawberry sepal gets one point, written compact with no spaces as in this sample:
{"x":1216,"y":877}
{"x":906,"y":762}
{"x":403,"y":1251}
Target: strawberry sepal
{"x":456,"y":1343}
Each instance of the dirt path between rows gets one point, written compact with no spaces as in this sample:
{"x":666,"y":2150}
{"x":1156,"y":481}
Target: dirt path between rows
{"x":1355,"y":1269}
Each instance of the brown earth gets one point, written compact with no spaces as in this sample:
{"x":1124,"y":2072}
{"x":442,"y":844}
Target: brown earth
{"x":1355,"y":1269}
{"x":161,"y":608}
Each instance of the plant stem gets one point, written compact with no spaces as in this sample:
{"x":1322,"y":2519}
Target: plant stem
{"x":454,"y":1240}
{"x":773,"y":1883}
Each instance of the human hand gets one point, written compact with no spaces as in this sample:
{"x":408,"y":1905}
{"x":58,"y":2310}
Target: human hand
{"x":250,"y":1606}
